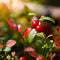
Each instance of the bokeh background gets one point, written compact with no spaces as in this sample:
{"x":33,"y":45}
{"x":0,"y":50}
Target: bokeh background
{"x":19,"y":9}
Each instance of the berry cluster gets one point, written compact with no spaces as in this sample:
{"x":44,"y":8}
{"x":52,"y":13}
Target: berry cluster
{"x":39,"y":27}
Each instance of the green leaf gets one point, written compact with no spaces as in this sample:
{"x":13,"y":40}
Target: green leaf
{"x":45,"y":46}
{"x":47,"y":18}
{"x":27,"y":10}
{"x":16,"y":57}
{"x":2,"y":39}
{"x":9,"y":57}
{"x":46,"y":52}
{"x":12,"y":58}
{"x":13,"y":15}
{"x":0,"y":49}
{"x":41,"y":35}
{"x":31,"y":35}
{"x":50,"y":43}
{"x":49,"y":36}
{"x":1,"y":56}
{"x":32,"y":14}
{"x":40,"y":42}
{"x":7,"y":49}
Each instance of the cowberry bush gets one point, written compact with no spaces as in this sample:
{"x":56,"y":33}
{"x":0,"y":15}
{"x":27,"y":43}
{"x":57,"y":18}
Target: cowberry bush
{"x":39,"y":41}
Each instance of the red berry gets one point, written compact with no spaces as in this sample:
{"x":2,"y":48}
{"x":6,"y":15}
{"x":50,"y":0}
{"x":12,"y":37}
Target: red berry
{"x":26,"y":32}
{"x":35,"y":23}
{"x":22,"y":58}
{"x":39,"y":28}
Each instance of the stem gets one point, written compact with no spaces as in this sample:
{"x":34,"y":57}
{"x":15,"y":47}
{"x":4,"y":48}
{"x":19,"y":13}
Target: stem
{"x":25,"y":42}
{"x":22,"y":40}
{"x":5,"y":53}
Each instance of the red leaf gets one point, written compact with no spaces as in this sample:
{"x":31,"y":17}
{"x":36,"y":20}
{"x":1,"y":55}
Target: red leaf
{"x":58,"y":29}
{"x":10,"y":43}
{"x":19,"y":27}
{"x":50,"y":55}
{"x":1,"y":45}
{"x":58,"y":46}
{"x":11,"y":24}
{"x":13,"y":53}
{"x":40,"y":58}
{"x":31,"y":51}
{"x":10,"y":21}
{"x":56,"y":41}
{"x":26,"y":32}
{"x":47,"y":30}
{"x":47,"y":59}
